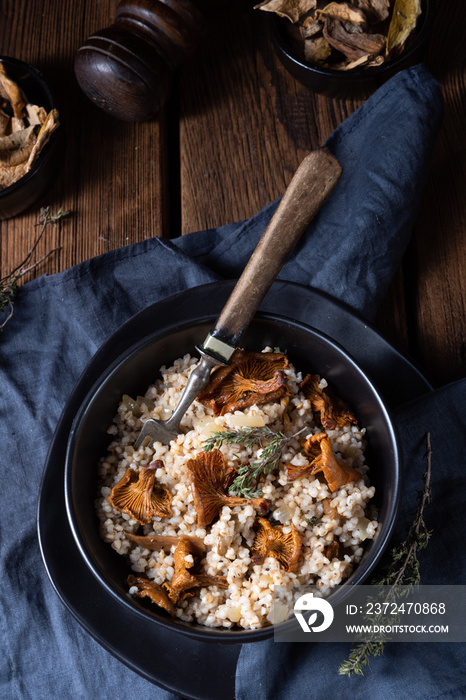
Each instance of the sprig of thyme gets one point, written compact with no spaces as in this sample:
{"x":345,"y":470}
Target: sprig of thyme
{"x":9,"y":283}
{"x":245,"y":482}
{"x":403,"y":569}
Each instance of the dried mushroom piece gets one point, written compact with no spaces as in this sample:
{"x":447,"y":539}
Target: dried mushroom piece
{"x":332,"y":411}
{"x":317,"y":49}
{"x":186,"y":581}
{"x":23,"y":134}
{"x":291,"y":9}
{"x":347,"y":35}
{"x":137,"y":495}
{"x":346,"y":13}
{"x":251,"y":378}
{"x":210,"y":480}
{"x":352,"y":44}
{"x":273,"y":542}
{"x":336,"y":472}
{"x":376,"y":11}
{"x":12,"y":93}
{"x":150,"y":589}
{"x":402,"y":25}
{"x":5,"y":122}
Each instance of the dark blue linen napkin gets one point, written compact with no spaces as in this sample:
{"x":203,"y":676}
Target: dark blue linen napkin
{"x":351,"y":252}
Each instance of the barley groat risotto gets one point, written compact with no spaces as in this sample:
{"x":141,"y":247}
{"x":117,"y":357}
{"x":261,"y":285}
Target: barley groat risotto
{"x":266,"y":486}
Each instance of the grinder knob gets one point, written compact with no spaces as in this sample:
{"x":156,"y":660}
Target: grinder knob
{"x":126,"y":69}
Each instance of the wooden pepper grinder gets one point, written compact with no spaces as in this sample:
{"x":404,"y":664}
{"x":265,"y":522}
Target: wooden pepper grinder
{"x":127,"y":69}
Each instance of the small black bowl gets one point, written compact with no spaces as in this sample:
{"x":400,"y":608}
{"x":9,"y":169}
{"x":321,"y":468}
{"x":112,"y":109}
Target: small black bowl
{"x":23,"y":193}
{"x":136,"y":367}
{"x":359,"y":82}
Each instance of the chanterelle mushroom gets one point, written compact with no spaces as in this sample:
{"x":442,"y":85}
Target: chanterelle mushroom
{"x":251,"y":378}
{"x":185,"y":582}
{"x":158,"y":542}
{"x":138,"y":495}
{"x":332,"y":410}
{"x":335,"y":471}
{"x":152,"y":590}
{"x":273,"y":542}
{"x":210,"y":479}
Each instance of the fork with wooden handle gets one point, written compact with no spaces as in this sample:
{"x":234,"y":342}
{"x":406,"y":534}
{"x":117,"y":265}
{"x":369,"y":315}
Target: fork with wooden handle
{"x":309,"y":188}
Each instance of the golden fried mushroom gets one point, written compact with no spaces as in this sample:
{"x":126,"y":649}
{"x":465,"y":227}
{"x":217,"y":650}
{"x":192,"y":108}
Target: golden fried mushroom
{"x":336,"y":472}
{"x":138,"y":496}
{"x":150,"y":589}
{"x":251,"y":378}
{"x":210,"y":479}
{"x":332,"y":411}
{"x":186,"y":582}
{"x":273,"y":542}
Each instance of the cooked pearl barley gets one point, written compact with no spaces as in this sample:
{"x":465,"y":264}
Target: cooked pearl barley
{"x":253,"y":590}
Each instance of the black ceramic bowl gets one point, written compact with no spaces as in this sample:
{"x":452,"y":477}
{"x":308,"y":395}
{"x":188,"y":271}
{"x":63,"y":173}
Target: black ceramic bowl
{"x":138,"y":357}
{"x":359,"y":82}
{"x":23,"y":193}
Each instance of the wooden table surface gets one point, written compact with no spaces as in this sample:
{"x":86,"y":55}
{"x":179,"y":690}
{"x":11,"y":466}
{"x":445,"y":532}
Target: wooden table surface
{"x":234,"y":130}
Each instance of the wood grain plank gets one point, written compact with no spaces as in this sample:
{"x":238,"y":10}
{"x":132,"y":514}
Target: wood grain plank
{"x":439,"y":286}
{"x":234,"y":132}
{"x":112,"y":179}
{"x":244,"y":127}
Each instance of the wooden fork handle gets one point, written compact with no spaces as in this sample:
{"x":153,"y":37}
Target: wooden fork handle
{"x":309,"y":188}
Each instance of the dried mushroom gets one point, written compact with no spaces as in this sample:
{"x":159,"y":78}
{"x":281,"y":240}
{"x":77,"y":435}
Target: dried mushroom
{"x":251,"y":378}
{"x":376,"y":11}
{"x":332,"y":411}
{"x":352,"y":44}
{"x":403,"y":22}
{"x":273,"y":542}
{"x":354,"y":18}
{"x":137,"y":495}
{"x":336,"y":472}
{"x":185,"y":581}
{"x":150,"y":589}
{"x":292,"y":9}
{"x":24,"y":131}
{"x":346,"y":35}
{"x":210,"y":480}
{"x":317,"y":50}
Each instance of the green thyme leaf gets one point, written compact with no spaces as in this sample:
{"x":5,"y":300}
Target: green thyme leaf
{"x":248,"y":475}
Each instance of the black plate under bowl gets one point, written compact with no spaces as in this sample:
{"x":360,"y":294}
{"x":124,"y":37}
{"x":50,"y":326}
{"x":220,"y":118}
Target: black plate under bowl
{"x":109,"y":620}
